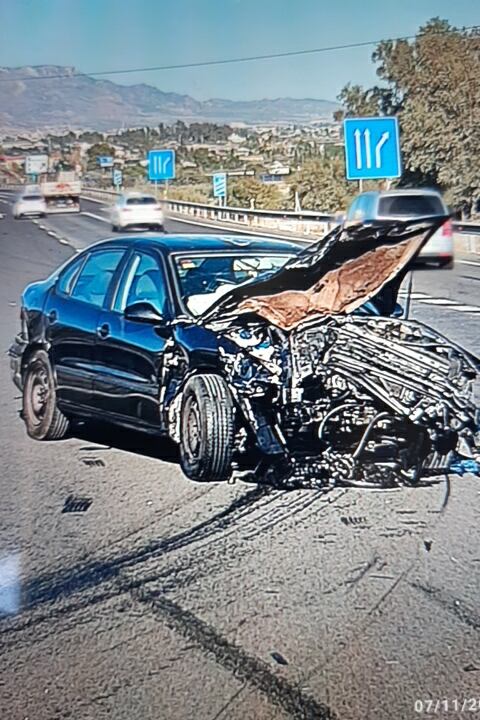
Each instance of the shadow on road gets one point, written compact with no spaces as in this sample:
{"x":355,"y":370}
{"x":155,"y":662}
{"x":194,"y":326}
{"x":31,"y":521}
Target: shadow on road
{"x":126,"y":440}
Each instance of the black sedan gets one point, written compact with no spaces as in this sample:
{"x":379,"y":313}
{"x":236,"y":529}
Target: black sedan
{"x":258,"y":358}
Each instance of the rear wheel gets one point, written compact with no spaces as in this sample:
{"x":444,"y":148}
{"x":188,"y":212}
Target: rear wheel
{"x":207,"y":429}
{"x":447,"y":264}
{"x":114,"y":228}
{"x":43,"y":419}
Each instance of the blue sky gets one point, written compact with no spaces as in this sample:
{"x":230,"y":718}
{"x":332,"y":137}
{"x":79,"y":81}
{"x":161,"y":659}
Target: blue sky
{"x":109,"y":34}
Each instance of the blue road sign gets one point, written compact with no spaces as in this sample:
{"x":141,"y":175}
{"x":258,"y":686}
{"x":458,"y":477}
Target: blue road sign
{"x":372,"y":148}
{"x":117,"y":177}
{"x":161,"y":164}
{"x":220,"y":185}
{"x":105,"y":161}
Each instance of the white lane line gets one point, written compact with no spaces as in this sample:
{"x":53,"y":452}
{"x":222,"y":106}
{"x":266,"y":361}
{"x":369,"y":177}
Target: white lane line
{"x":438,"y":301}
{"x":96,"y":217}
{"x":469,"y":262}
{"x":467,"y":308}
{"x":414,"y":295}
{"x":94,"y":200}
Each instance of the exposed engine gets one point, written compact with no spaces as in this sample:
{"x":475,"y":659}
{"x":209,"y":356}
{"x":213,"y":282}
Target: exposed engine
{"x":371,"y":402}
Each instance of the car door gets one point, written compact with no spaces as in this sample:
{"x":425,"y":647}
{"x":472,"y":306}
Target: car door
{"x":72,"y":312}
{"x":128,"y":353}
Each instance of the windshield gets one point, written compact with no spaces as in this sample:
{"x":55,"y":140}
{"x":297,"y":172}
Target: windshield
{"x":203,"y":279}
{"x":32,"y":197}
{"x":410,"y":206}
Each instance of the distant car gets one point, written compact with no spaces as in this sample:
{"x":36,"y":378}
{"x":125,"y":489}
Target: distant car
{"x":30,"y":203}
{"x":261,"y":359}
{"x":137,"y":210}
{"x":407,"y":205}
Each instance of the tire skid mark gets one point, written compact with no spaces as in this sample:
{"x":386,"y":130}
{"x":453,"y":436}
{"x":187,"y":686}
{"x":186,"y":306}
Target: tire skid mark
{"x":58,"y":587}
{"x":65,"y":582}
{"x":452,"y":605}
{"x":245,"y":668}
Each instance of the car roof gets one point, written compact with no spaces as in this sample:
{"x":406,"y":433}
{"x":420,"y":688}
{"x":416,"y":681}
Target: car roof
{"x":169,"y":244}
{"x":136,"y":194}
{"x":403,"y":191}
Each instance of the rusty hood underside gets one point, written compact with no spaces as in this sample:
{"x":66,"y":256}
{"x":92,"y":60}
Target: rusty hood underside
{"x":336,"y":275}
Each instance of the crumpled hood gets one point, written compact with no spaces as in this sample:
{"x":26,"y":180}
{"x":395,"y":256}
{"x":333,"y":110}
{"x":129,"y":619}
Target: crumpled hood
{"x":336,"y":275}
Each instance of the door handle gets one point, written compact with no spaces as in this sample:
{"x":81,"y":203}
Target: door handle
{"x":52,"y":316}
{"x":103,"y":331}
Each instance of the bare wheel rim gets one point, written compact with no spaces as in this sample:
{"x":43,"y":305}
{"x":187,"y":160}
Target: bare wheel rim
{"x":192,"y":428}
{"x":40,"y":392}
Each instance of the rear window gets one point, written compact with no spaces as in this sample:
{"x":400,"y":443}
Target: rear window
{"x":142,"y":201}
{"x":410,"y":205}
{"x":32,"y":197}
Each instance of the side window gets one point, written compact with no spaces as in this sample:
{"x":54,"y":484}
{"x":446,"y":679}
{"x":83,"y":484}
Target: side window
{"x":95,"y":276}
{"x":69,"y":275}
{"x":142,"y":281}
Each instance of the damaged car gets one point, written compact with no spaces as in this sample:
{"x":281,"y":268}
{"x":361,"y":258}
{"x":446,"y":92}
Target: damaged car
{"x":260,"y":358}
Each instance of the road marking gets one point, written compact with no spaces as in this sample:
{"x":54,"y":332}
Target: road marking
{"x":438,"y":301}
{"x":96,"y":217}
{"x":414,"y":295}
{"x":469,"y":262}
{"x":467,"y":308}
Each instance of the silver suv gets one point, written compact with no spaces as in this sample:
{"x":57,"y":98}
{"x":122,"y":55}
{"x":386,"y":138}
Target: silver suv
{"x":405,"y":205}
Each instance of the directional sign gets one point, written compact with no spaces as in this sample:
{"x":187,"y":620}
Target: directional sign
{"x":372,"y":148}
{"x":105,"y":161}
{"x":117,"y":177}
{"x":161,"y":164}
{"x":36,"y":164}
{"x":220,"y":185}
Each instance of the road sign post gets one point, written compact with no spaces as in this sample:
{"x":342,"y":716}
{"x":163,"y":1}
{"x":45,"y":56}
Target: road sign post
{"x":220,"y":187}
{"x":117,"y":178}
{"x":372,"y":148}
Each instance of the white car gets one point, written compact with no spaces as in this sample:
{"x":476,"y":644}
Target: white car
{"x":30,"y":203}
{"x":406,"y":204}
{"x":137,"y":210}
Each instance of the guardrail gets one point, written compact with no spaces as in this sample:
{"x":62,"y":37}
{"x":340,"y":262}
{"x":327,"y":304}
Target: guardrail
{"x":303,"y":224}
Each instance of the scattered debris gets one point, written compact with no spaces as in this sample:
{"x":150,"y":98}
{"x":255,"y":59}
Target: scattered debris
{"x":93,"y":462}
{"x":76,"y":504}
{"x":279,"y":658}
{"x":471,"y":668}
{"x":354,"y":520}
{"x":428,"y":545}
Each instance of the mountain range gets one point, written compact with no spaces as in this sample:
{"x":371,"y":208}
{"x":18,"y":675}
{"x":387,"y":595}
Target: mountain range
{"x":36,"y":98}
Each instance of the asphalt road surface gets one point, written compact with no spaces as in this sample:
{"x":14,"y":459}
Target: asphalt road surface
{"x":166,"y":599}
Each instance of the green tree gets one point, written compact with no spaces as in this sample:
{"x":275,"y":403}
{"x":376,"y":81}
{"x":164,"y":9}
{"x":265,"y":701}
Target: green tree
{"x":432,"y":84}
{"x":248,"y":189}
{"x":321,"y":185}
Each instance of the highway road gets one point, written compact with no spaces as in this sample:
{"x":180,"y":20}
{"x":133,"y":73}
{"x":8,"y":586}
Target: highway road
{"x":166,"y":599}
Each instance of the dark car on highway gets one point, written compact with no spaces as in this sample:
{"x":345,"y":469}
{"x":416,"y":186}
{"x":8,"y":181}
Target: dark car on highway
{"x":259,"y":358}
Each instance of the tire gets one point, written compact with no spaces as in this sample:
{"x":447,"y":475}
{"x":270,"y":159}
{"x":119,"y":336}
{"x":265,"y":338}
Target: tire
{"x":207,"y":429}
{"x":447,"y":264}
{"x":114,"y":228}
{"x":43,"y":419}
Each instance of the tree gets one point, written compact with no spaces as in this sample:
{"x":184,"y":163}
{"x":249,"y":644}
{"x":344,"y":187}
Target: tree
{"x":265,"y":197}
{"x":321,"y":185}
{"x":432,"y":84}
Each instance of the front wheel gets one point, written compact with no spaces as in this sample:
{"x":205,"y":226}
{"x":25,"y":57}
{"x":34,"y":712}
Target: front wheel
{"x":207,"y":429}
{"x":43,"y":419}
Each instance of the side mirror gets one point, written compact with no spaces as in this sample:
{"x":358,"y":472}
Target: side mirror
{"x":143,"y":312}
